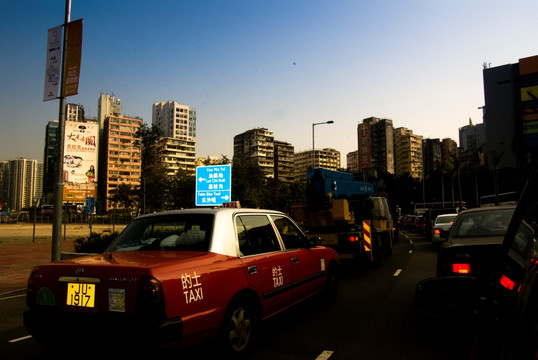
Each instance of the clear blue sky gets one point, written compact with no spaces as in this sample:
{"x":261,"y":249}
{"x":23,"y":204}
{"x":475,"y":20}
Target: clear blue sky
{"x":279,"y":64}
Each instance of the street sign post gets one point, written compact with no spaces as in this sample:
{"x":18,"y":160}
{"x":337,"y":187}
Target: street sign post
{"x":213,"y":185}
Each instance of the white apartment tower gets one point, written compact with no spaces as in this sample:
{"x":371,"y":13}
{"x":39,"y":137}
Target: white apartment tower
{"x":178,"y":124}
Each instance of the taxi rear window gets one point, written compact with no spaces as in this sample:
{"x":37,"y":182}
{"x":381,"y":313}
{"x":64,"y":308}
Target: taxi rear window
{"x":185,"y":232}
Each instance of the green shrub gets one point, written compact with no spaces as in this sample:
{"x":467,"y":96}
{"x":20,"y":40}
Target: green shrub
{"x":95,"y":243}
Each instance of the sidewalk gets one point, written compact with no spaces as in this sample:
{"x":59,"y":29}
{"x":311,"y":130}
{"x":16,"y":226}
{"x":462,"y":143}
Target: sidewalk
{"x":19,"y":253}
{"x":17,"y":261}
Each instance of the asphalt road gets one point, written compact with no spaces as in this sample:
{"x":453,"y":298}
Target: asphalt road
{"x":373,"y":318}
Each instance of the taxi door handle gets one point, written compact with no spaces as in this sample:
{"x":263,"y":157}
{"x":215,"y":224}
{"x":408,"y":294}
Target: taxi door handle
{"x":294,"y":261}
{"x":252,"y":270}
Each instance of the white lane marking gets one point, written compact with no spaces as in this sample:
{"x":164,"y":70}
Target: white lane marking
{"x":397,"y":272}
{"x":20,"y":339}
{"x":325,"y":355}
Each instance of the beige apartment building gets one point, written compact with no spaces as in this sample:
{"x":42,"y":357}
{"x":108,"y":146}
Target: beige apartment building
{"x":122,"y":161}
{"x":408,"y":150}
{"x":256,"y":145}
{"x":325,"y":158}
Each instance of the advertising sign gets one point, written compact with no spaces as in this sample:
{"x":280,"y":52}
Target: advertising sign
{"x":213,"y":185}
{"x":73,"y":53}
{"x":80,"y":161}
{"x":52,"y":66}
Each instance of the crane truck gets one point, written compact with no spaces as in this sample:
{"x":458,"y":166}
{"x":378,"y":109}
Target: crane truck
{"x":347,"y":215}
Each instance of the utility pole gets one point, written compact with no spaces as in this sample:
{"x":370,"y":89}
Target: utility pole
{"x":56,"y":251}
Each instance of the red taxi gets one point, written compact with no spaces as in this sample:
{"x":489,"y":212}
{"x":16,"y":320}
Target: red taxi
{"x":180,"y":275}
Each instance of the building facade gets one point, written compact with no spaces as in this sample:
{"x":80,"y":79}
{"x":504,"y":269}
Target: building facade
{"x":511,"y":115}
{"x":122,"y":160}
{"x":325,"y":158}
{"x":284,"y":161}
{"x":20,"y":181}
{"x":256,"y":146}
{"x":176,"y":154}
{"x":50,"y":154}
{"x":376,"y":144}
{"x":408,"y":150}
{"x":178,"y":147}
{"x":352,"y":161}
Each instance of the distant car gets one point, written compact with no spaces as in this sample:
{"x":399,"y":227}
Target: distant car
{"x":431,"y":214}
{"x":179,"y":276}
{"x":441,"y":227}
{"x":474,"y":242}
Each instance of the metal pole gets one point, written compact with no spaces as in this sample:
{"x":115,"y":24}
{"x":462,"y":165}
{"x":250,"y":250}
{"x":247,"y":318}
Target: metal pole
{"x":56,"y":253}
{"x":313,"y":148}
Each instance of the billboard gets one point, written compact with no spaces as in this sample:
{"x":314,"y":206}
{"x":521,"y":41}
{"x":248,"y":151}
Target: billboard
{"x":80,"y":161}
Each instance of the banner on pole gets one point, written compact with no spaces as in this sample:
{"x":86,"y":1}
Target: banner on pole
{"x":52,"y":66}
{"x":73,"y":51}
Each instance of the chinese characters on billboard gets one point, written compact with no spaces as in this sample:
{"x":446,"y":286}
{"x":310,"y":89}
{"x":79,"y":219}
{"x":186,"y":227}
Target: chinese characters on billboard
{"x":80,"y":161}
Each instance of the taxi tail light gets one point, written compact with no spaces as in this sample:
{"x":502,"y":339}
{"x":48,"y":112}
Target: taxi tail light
{"x":150,"y":298}
{"x":506,"y":282}
{"x":461,"y":268}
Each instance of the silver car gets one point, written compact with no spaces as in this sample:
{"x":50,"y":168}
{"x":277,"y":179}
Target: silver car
{"x":441,"y":227}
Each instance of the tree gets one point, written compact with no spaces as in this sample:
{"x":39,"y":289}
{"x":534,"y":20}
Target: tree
{"x":123,"y":196}
{"x":248,"y":184}
{"x":152,"y":195}
{"x":182,"y":189}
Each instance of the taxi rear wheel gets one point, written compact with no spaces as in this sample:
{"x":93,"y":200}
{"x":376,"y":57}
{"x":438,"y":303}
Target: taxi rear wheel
{"x":239,"y":327}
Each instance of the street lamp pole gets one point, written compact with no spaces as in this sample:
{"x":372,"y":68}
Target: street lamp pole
{"x":313,"y":147}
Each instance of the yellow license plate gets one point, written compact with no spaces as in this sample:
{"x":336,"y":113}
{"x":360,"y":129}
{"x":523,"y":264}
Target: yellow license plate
{"x":79,"y":294}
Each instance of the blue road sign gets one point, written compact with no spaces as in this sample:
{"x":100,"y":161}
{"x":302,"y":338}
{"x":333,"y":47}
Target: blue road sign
{"x":213,"y":185}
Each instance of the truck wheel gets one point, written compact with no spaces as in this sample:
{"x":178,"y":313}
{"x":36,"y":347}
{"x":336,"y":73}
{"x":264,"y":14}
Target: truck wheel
{"x":378,"y":252}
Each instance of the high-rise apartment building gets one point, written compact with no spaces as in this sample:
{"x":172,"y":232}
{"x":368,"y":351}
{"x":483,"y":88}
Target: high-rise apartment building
{"x":325,"y":158}
{"x":178,"y":147}
{"x":20,"y":176}
{"x":74,"y":112}
{"x":431,"y":153}
{"x":510,"y":114}
{"x":122,"y":163}
{"x":408,"y":150}
{"x":352,"y":160}
{"x":449,"y":150}
{"x":106,"y":105}
{"x":257,"y":146}
{"x":176,"y":154}
{"x":284,"y":160}
{"x":375,"y":144}
{"x":472,"y":137}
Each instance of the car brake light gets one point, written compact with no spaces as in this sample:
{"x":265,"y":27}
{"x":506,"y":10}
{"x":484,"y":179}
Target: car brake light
{"x":461,"y":268}
{"x":150,"y":299}
{"x":507,"y":282}
{"x":436,"y":231}
{"x":353,"y":238}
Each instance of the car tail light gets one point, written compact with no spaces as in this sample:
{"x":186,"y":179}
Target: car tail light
{"x":353,"y":238}
{"x":461,"y":268}
{"x":436,"y":231}
{"x":507,"y":282}
{"x":150,"y":299}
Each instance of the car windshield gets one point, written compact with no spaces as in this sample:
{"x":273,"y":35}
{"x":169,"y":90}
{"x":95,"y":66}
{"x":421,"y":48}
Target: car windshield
{"x":482,"y":223}
{"x":185,"y":232}
{"x":445,"y":219}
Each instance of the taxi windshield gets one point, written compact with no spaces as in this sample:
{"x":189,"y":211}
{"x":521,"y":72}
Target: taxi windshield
{"x":185,"y":232}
